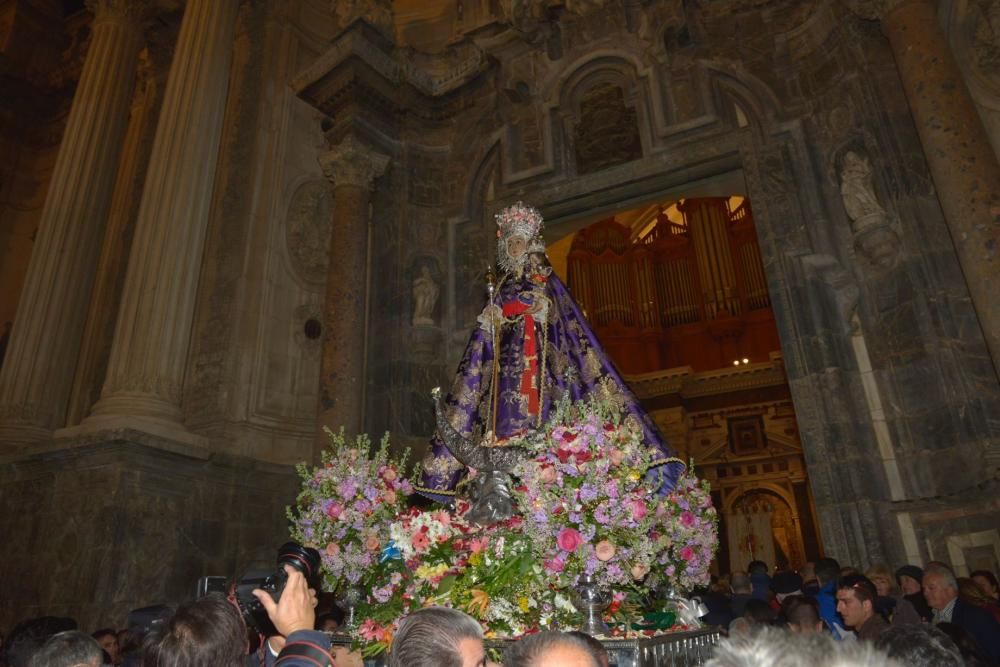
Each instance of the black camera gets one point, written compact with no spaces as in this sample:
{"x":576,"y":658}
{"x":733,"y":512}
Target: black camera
{"x":304,"y":559}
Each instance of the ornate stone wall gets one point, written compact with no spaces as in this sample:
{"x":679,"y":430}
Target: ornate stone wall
{"x":796,"y":105}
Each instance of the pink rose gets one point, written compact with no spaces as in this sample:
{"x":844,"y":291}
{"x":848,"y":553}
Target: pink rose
{"x":687,"y":553}
{"x":616,"y":456}
{"x":389,"y":496}
{"x":332,"y":549}
{"x":372,"y":543}
{"x":569,"y":539}
{"x":604,"y":550}
{"x":548,"y":475}
{"x":638,"y":510}
{"x":639,"y":570}
{"x":334,"y":511}
{"x":389,"y":475}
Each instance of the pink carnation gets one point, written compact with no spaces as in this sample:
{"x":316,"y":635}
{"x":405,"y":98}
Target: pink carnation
{"x":420,"y":541}
{"x":569,"y":539}
{"x":687,"y":519}
{"x":554,"y":565}
{"x":638,"y":508}
{"x":334,"y":511}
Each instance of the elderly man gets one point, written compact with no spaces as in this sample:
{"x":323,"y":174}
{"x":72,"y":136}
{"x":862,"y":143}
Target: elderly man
{"x":550,"y":649}
{"x":438,"y":637}
{"x":856,"y":605}
{"x":68,"y":649}
{"x":941,"y":591}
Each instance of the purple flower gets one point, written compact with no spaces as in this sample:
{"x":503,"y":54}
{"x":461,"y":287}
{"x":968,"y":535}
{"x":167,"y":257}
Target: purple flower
{"x":347,"y":489}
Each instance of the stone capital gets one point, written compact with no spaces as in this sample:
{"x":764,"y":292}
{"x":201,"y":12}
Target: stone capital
{"x":130,"y":11}
{"x":353,"y":163}
{"x":874,"y":10}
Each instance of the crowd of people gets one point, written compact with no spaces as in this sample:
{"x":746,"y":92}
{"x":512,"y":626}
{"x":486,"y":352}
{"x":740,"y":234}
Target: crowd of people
{"x":823,"y":615}
{"x":905,"y":614}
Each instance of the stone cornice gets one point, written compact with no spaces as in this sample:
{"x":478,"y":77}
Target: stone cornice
{"x":688,"y":384}
{"x":364,"y":43}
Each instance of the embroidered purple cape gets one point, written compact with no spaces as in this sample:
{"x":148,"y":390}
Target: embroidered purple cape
{"x":574,"y":365}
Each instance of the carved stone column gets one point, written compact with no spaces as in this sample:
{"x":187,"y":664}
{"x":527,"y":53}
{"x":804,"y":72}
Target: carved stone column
{"x":45,"y":341}
{"x":962,"y":163}
{"x":106,"y":294}
{"x":353,"y":168}
{"x":146,"y":368}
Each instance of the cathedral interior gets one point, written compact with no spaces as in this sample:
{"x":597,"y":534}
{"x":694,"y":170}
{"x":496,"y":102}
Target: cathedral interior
{"x":226,"y":224}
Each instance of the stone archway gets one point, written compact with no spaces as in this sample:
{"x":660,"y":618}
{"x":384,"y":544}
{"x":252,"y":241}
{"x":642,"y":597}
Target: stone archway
{"x":820,"y":288}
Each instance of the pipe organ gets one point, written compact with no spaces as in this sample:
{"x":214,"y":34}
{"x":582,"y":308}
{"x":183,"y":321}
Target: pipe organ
{"x":691,"y":293}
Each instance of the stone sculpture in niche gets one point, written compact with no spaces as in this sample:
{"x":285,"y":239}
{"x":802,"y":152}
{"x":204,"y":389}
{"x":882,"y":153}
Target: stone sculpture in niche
{"x":425,"y":296}
{"x":874,"y":236}
{"x":607,"y":133}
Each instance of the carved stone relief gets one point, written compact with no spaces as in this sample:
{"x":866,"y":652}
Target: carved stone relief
{"x":307,"y":230}
{"x":607,"y":133}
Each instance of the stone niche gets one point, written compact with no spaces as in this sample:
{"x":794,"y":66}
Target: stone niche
{"x":125,"y":523}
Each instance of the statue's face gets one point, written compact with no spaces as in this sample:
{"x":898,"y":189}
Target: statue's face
{"x":516,"y":247}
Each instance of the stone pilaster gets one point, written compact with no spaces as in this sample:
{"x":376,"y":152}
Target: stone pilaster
{"x":142,"y":389}
{"x":962,"y":163}
{"x":353,"y":168}
{"x":41,"y":359}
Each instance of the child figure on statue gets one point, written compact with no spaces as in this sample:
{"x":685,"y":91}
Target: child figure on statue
{"x":532,"y":348}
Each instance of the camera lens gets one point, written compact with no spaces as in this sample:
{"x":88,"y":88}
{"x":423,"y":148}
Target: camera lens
{"x":304,"y":559}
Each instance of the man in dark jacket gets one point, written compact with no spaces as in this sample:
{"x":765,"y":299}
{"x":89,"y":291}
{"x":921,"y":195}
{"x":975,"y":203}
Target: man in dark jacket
{"x":856,"y":597}
{"x":941,"y":591}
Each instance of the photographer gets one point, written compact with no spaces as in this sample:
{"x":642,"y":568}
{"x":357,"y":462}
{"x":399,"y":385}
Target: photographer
{"x":211,"y":631}
{"x":294,"y":615}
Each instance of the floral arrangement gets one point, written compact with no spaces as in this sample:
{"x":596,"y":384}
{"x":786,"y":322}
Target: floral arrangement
{"x":436,"y":557}
{"x":586,"y":500}
{"x":346,"y":506}
{"x":587,"y":505}
{"x":686,"y":534}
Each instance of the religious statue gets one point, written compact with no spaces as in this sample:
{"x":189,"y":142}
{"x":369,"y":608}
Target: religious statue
{"x":425,"y":296}
{"x":874,"y":236}
{"x":856,"y":189}
{"x":532,"y":348}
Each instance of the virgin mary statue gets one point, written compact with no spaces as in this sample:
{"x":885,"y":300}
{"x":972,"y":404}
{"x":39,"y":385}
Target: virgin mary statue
{"x":532,"y":348}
